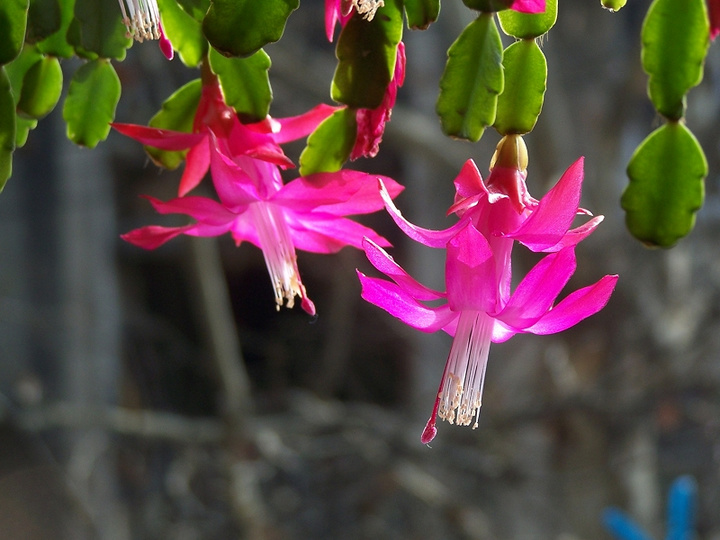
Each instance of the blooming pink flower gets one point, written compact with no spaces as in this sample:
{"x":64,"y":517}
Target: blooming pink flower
{"x":341,"y":10}
{"x":479,"y":306}
{"x":214,"y":116}
{"x":255,"y":206}
{"x":528,"y":6}
{"x":142,"y":20}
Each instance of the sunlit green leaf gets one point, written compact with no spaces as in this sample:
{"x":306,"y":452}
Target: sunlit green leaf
{"x":24,"y":126}
{"x":421,"y":13}
{"x":99,"y":29}
{"x":675,"y":39}
{"x":91,"y":101}
{"x":7,"y":128}
{"x":41,"y":88}
{"x":177,"y":114}
{"x":666,"y":186}
{"x":529,"y":25}
{"x":184,"y":32}
{"x":17,"y":69}
{"x":329,"y":146}
{"x":241,"y":27}
{"x":57,"y":44}
{"x":13,"y":20}
{"x":245,"y":83}
{"x":367,"y":51}
{"x":521,"y":101}
{"x":43,"y":19}
{"x":613,"y":5}
{"x":472,"y":80}
{"x":197,"y":9}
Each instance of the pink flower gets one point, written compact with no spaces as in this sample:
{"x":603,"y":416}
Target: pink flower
{"x":479,"y":306}
{"x":341,"y":10}
{"x":142,"y":20}
{"x":255,"y":206}
{"x":214,"y":116}
{"x":528,"y":6}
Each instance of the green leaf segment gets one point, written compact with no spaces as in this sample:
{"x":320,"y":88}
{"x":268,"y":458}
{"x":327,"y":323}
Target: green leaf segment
{"x":668,"y":169}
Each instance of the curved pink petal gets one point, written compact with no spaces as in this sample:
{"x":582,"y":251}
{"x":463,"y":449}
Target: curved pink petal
{"x":400,"y":304}
{"x":340,"y":193}
{"x":576,"y":307}
{"x":164,"y":139}
{"x":528,"y":6}
{"x":573,"y":236}
{"x":470,"y":273}
{"x":555,"y":212}
{"x":233,"y":185}
{"x":380,"y":259}
{"x":197,"y":164}
{"x":246,"y":141}
{"x":332,"y":11}
{"x":535,"y":294}
{"x":202,"y":209}
{"x":324,"y":233}
{"x":469,"y":182}
{"x":427,"y":237}
{"x":153,"y":236}
{"x":297,"y":127}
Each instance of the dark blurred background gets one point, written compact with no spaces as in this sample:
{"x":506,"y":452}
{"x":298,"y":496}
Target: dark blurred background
{"x":150,"y":395}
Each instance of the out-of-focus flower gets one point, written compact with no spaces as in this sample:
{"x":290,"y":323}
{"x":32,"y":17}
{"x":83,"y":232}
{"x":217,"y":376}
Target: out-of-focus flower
{"x":341,"y":10}
{"x":680,"y":517}
{"x":307,"y":214}
{"x":479,"y":306}
{"x":142,"y":20}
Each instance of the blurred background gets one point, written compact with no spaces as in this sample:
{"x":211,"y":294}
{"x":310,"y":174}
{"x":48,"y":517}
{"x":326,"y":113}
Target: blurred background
{"x":150,"y":395}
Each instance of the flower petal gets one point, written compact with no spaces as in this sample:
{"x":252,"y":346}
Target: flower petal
{"x":325,"y":233}
{"x":538,"y":290}
{"x":153,"y":236}
{"x":576,"y":235}
{"x":555,"y":212}
{"x":470,"y":272}
{"x":528,"y":6}
{"x":428,"y":237}
{"x":380,"y":259}
{"x":202,"y":209}
{"x":401,"y":305}
{"x":233,"y":185}
{"x":297,"y":127}
{"x":575,"y":307}
{"x":163,"y":139}
{"x":197,"y":163}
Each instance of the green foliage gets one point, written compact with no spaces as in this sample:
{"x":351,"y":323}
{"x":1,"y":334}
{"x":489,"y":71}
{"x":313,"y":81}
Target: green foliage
{"x":366,"y":52}
{"x":242,"y":27}
{"x":91,"y":101}
{"x":13,"y":20}
{"x":487,"y":5}
{"x":245,"y":83}
{"x":7,"y":128}
{"x":16,"y":71}
{"x":57,"y":44}
{"x":666,"y":186}
{"x":98,"y":31}
{"x":329,"y":146}
{"x":472,"y":80}
{"x":675,"y":39}
{"x":184,"y":32}
{"x":43,"y":19}
{"x":197,"y":9}
{"x":613,"y":5}
{"x":41,"y":88}
{"x":177,"y":114}
{"x":421,"y":13}
{"x":529,"y":25}
{"x":521,"y":101}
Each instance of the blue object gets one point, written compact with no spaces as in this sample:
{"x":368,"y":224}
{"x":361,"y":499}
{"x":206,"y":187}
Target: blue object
{"x":680,"y":516}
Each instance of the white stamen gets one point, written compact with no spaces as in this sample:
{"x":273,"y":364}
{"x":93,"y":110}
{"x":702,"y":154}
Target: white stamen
{"x":278,"y":251}
{"x":141,"y":18}
{"x":367,"y":8}
{"x":460,"y":396}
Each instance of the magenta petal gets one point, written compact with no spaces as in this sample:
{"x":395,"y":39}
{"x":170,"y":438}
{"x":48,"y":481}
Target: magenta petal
{"x":165,"y":45}
{"x":470,"y":272}
{"x":164,"y":139}
{"x":573,"y":236}
{"x":197,"y":163}
{"x":324,"y":233}
{"x":576,"y":307}
{"x":234,"y":187}
{"x":428,"y":237}
{"x":380,"y":259}
{"x":246,"y":141}
{"x":536,"y":293}
{"x":153,"y":236}
{"x":401,"y":305}
{"x":297,"y":127}
{"x":469,"y":182}
{"x":202,"y":209}
{"x":555,"y":212}
{"x":528,"y":6}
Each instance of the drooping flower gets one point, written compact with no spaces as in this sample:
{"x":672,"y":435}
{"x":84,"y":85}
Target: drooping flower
{"x":307,"y":214}
{"x":479,"y":306}
{"x":142,"y":20}
{"x":680,"y":515}
{"x":371,"y":122}
{"x":214,"y":116}
{"x":341,"y":10}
